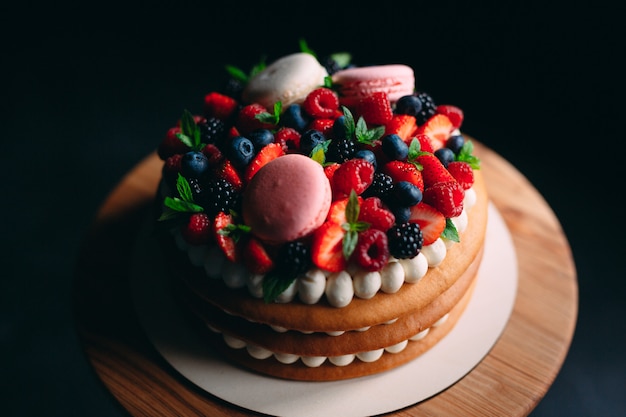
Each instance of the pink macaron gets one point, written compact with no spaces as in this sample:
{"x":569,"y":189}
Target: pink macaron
{"x":287,"y":199}
{"x":356,"y":83}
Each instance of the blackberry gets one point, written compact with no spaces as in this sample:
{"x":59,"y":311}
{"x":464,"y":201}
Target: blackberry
{"x":233,"y":88}
{"x":340,"y":150}
{"x":405,"y":240}
{"x":428,"y":108}
{"x":198,"y":191}
{"x":295,"y":259}
{"x":213,"y":130}
{"x":221,"y":196}
{"x":380,"y":187}
{"x":331,"y":65}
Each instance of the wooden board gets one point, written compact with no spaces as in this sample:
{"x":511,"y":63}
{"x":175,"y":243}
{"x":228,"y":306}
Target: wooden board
{"x":511,"y":380}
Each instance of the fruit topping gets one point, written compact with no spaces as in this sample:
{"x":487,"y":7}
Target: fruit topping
{"x":431,"y":221}
{"x":438,"y":129}
{"x":454,"y":113}
{"x":405,"y":240}
{"x":321,"y":103}
{"x":197,"y":231}
{"x":371,"y":252}
{"x":447,"y":197}
{"x":266,"y":154}
{"x":354,"y":174}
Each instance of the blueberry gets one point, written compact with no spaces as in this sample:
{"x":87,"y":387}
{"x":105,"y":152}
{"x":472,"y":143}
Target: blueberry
{"x":401,"y":213}
{"x":394,"y":147}
{"x":366,"y":154}
{"x":310,"y":139}
{"x":410,"y":105}
{"x":260,"y":138}
{"x":339,"y":128}
{"x":406,"y":194}
{"x":294,"y":117}
{"x":455,"y":143}
{"x":445,"y":155}
{"x":240,"y":151}
{"x":194,"y":164}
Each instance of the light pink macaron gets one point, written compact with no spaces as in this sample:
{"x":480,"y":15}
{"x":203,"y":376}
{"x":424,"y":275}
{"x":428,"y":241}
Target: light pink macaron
{"x":356,"y":83}
{"x":287,"y":199}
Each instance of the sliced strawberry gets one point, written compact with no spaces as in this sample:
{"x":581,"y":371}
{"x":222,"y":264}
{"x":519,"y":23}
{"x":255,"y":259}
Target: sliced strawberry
{"x":233,"y":132}
{"x":256,"y":257}
{"x":431,"y":221}
{"x":219,"y":105}
{"x":266,"y":154}
{"x":372,"y":211}
{"x":227,"y":171}
{"x":197,"y":231}
{"x":221,"y":224}
{"x":404,"y":171}
{"x":462,"y":171}
{"x":438,"y":129}
{"x":454,"y":113}
{"x":321,"y":103}
{"x":327,"y":247}
{"x":330,"y":170}
{"x":354,"y":174}
{"x":375,"y":108}
{"x":289,"y":139}
{"x":447,"y":197}
{"x":371,"y":251}
{"x":337,"y":212}
{"x":248,"y":120}
{"x":403,"y":125}
{"x":433,"y":170}
{"x":425,"y":144}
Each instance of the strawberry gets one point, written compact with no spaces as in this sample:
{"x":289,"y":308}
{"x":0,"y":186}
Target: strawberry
{"x":425,"y":145}
{"x":437,"y":128}
{"x":447,"y":197}
{"x":171,"y":168}
{"x":171,"y":145}
{"x":288,"y":138}
{"x":221,"y":225}
{"x":337,"y":211}
{"x":248,"y":120}
{"x":375,"y":108}
{"x":233,"y":132}
{"x":197,"y":231}
{"x":462,"y":172}
{"x":323,"y":125}
{"x":227,"y":171}
{"x":327,"y":247}
{"x":454,"y":113}
{"x":266,"y":154}
{"x":330,"y":170}
{"x":432,"y":223}
{"x":404,"y":171}
{"x":219,"y":105}
{"x":354,"y":174}
{"x":403,"y":125}
{"x":371,"y":251}
{"x":321,"y":103}
{"x":433,"y":170}
{"x":255,"y":257}
{"x":372,"y":211}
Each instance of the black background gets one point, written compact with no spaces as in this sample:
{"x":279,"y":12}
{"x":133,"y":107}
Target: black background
{"x":90,"y":88}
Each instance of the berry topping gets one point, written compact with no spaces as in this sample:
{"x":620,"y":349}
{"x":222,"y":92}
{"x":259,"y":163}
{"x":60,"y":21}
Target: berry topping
{"x":253,"y":116}
{"x":265,"y":155}
{"x":219,"y":106}
{"x":171,"y":145}
{"x":375,"y":108}
{"x":295,"y":118}
{"x":227,"y":171}
{"x":394,"y":147}
{"x":310,"y":139}
{"x":432,"y":223}
{"x":429,"y":108}
{"x":404,"y":171}
{"x":406,"y":194}
{"x":294,"y":258}
{"x":454,"y":113}
{"x":240,"y":151}
{"x":402,"y":125}
{"x":447,"y":197}
{"x":321,"y":103}
{"x":371,"y":252}
{"x":255,"y":257}
{"x":445,"y":155}
{"x":462,"y":172}
{"x":405,"y":240}
{"x":194,"y":164}
{"x":260,"y":138}
{"x":372,"y":212}
{"x":288,"y":138}
{"x":354,"y":174}
{"x":327,"y":247}
{"x":197,"y":231}
{"x":220,"y":195}
{"x":438,"y":129}
{"x":433,"y":170}
{"x":226,"y":233}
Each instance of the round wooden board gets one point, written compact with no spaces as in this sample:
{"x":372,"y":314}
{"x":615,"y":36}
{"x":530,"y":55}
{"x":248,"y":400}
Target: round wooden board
{"x":511,"y":380}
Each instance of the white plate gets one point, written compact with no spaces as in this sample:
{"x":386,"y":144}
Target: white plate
{"x":453,"y":357}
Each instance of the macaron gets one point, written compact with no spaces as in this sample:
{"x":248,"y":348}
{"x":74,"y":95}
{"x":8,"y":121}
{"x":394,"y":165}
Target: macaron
{"x":288,"y":198}
{"x":288,"y":80}
{"x":356,"y":83}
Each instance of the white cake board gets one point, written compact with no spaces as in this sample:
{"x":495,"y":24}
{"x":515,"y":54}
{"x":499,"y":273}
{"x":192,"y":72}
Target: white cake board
{"x":453,"y":357}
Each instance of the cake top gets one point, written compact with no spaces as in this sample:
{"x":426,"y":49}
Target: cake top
{"x":306,"y":165}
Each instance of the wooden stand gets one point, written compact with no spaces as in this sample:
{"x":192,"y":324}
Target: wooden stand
{"x":510,"y":381}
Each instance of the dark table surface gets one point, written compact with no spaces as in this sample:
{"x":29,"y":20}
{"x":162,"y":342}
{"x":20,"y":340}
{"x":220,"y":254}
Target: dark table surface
{"x":90,"y":90}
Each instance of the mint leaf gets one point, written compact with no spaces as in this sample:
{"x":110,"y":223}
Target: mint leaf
{"x":466,"y":155}
{"x":342,"y":59}
{"x":274,"y":285}
{"x":352,"y":208}
{"x":190,"y":130}
{"x":270,"y":118}
{"x":237,"y":74}
{"x":349,"y":242}
{"x":365,"y":135}
{"x":352,"y":226}
{"x":182,"y":206}
{"x":305,"y":48}
{"x":349,"y":122}
{"x":450,"y":232}
{"x":183,"y":188}
{"x":234,"y":231}
{"x":318,"y":154}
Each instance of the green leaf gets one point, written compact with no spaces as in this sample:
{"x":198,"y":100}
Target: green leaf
{"x":466,"y":155}
{"x":274,"y":285}
{"x":190,"y":129}
{"x":352,"y":208}
{"x":343,"y":59}
{"x":349,"y":242}
{"x":183,"y":188}
{"x":450,"y":232}
{"x":270,"y":118}
{"x":318,"y":154}
{"x":237,"y":74}
{"x":258,"y":67}
{"x":185,"y":139}
{"x":328,"y":81}
{"x":365,"y":135}
{"x":349,"y":122}
{"x":234,"y":231}
{"x":305,"y":48}
{"x":182,"y":206}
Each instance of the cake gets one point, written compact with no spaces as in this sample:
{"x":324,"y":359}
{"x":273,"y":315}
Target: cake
{"x":321,"y":222}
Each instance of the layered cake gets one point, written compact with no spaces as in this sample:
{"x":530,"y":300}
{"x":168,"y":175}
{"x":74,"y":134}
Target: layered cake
{"x":321,"y":221}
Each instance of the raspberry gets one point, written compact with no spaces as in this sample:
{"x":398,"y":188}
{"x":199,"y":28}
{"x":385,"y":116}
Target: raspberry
{"x":462,"y":173}
{"x":447,"y":197}
{"x":198,"y":230}
{"x":371,"y":251}
{"x":321,"y":103}
{"x":372,"y":212}
{"x":247,"y":119}
{"x":171,"y":145}
{"x":289,"y":139}
{"x":171,"y":168}
{"x":354,"y":174}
